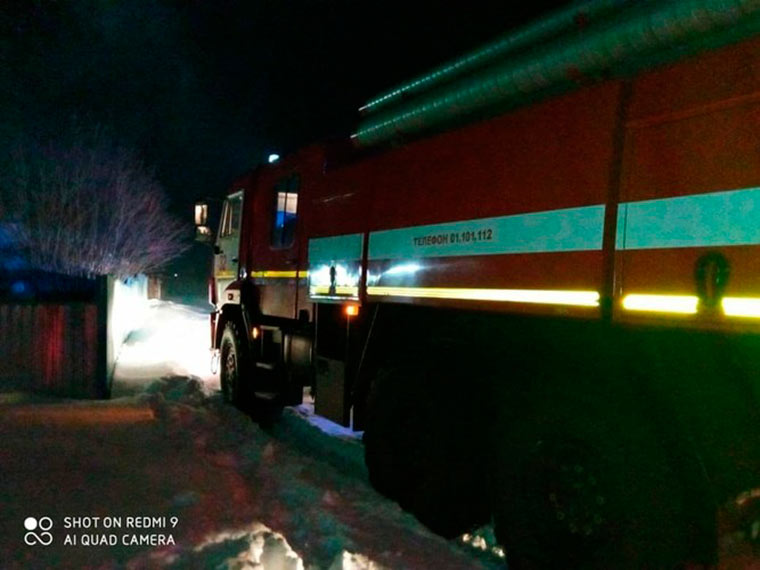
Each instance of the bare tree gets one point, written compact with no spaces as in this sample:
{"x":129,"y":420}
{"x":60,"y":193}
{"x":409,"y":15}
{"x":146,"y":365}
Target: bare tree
{"x":87,"y":207}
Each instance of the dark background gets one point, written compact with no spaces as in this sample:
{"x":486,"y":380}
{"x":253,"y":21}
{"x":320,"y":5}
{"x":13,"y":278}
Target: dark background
{"x":205,"y":90}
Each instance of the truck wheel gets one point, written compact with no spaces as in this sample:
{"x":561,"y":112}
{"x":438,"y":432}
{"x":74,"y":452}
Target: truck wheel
{"x":573,"y":499}
{"x":233,"y":364}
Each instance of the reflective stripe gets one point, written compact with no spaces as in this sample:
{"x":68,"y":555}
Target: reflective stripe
{"x":741,"y":306}
{"x":339,"y":290}
{"x":548,"y":297}
{"x":225,"y":275}
{"x":329,"y":250}
{"x":684,"y":304}
{"x":280,"y":274}
{"x":715,"y":219}
{"x":689,"y":304}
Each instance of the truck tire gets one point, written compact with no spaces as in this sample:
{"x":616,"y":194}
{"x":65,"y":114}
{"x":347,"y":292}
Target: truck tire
{"x":419,"y":452}
{"x":569,"y":497}
{"x":234,"y":365}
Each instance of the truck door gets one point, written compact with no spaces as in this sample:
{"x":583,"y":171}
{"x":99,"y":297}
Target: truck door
{"x":227,"y":248}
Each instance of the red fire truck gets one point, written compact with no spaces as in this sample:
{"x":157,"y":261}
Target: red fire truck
{"x":533,"y":279}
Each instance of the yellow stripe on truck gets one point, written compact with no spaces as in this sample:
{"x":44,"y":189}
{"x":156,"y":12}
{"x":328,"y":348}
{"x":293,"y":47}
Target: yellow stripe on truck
{"x":741,"y":306}
{"x":339,"y":290}
{"x":280,"y":274}
{"x":681,"y":304}
{"x":539,"y":296}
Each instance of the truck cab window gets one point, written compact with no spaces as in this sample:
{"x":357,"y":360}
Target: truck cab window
{"x":231,"y":217}
{"x":285,"y":211}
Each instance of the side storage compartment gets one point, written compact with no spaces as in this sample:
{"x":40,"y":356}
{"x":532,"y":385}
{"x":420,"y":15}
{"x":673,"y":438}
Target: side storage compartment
{"x":340,"y":340}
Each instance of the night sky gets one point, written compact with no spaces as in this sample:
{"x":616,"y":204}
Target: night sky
{"x":204,"y":90}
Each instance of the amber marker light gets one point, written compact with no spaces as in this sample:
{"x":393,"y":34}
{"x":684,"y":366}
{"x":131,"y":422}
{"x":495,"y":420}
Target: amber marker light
{"x":351,"y":310}
{"x":255,"y":333}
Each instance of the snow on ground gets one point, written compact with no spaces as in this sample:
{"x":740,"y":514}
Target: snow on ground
{"x":223,"y":492}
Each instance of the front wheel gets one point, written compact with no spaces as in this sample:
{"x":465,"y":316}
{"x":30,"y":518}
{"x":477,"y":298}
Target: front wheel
{"x":233,"y":364}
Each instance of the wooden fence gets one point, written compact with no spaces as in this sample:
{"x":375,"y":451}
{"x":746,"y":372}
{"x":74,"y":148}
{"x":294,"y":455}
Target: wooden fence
{"x":67,"y":348}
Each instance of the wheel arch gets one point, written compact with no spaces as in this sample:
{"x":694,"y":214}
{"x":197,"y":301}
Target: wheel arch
{"x":229,"y":313}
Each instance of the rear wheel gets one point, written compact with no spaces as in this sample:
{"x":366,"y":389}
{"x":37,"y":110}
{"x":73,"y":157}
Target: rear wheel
{"x":584,"y":494}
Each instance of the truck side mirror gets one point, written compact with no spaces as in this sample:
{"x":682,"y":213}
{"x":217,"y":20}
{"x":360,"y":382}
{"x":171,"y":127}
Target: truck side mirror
{"x":203,"y":234}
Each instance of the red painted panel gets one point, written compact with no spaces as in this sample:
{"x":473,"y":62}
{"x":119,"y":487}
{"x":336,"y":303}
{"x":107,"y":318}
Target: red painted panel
{"x":697,"y":154}
{"x":257,"y":253}
{"x":90,"y":341}
{"x":565,"y":271}
{"x":694,"y":127}
{"x":671,"y":271}
{"x":553,"y":155}
{"x":52,"y":345}
{"x":714,"y":76}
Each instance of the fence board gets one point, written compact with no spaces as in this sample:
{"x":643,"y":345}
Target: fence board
{"x":50,"y":347}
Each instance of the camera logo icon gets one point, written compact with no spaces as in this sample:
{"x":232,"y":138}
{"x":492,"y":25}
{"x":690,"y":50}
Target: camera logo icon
{"x":38,"y":531}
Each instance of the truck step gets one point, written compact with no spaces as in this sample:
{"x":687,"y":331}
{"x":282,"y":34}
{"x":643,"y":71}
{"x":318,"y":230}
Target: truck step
{"x":265,"y":365}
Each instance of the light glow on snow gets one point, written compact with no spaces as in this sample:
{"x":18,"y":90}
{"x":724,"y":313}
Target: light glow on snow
{"x":174,"y":341}
{"x":352,"y":561}
{"x":128,"y":310}
{"x":337,"y":279}
{"x":267,"y":550}
{"x":318,"y":501}
{"x":484,"y":540}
